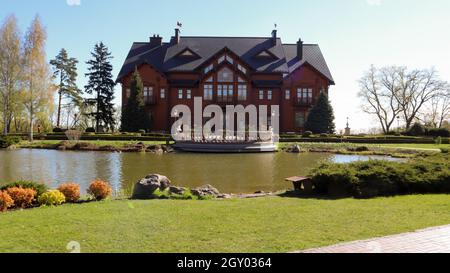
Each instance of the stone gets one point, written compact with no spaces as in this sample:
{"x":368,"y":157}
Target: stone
{"x":177,"y":190}
{"x":224,"y":196}
{"x":206,"y":190}
{"x":145,"y":187}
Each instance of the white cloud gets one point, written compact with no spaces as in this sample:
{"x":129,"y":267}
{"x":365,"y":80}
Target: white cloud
{"x":374,"y":2}
{"x":73,"y":2}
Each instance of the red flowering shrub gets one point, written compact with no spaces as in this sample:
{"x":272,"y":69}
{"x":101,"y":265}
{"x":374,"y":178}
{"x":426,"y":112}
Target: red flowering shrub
{"x":99,"y":189}
{"x":23,"y":198}
{"x":5,"y":201}
{"x":71,"y":191}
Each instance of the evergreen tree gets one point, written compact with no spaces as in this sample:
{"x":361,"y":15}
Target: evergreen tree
{"x":321,"y":118}
{"x":134,"y":117}
{"x":65,"y":69}
{"x":102,"y":85}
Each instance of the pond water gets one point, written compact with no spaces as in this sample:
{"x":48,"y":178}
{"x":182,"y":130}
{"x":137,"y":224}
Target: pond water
{"x":230,"y":173}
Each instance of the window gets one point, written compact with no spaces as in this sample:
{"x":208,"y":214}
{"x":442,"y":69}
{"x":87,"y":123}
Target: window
{"x":225,"y":93}
{"x":269,"y":94}
{"x":221,"y":59}
{"x":210,"y":79}
{"x":208,"y":68}
{"x":261,"y":94}
{"x":163,"y":93}
{"x":127,"y":92}
{"x":242,"y":69}
{"x":208,"y":91}
{"x":241,"y":80}
{"x":287,"y":94}
{"x":148,"y":93}
{"x":304,"y":95}
{"x":180,"y":94}
{"x":242,"y":92}
{"x":225,"y":75}
{"x":299,"y":119}
{"x":188,"y":94}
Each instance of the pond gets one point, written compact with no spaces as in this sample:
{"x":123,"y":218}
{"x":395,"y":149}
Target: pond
{"x":230,"y":173}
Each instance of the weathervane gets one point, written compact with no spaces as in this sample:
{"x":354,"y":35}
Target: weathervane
{"x":275,"y":25}
{"x":179,"y":24}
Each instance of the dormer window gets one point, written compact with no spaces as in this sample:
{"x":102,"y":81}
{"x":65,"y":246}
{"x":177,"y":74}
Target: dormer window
{"x":266,"y":54}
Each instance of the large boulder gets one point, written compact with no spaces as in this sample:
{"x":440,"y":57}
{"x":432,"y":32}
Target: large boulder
{"x":204,"y":191}
{"x":177,"y":190}
{"x":145,"y":187}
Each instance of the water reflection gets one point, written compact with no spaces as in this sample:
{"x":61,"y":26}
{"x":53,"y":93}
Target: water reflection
{"x":228,"y":172}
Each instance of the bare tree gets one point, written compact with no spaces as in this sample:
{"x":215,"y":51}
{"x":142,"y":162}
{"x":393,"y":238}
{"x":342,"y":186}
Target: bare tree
{"x":416,"y":88}
{"x":376,"y":89}
{"x":394,"y":91}
{"x":437,"y":111}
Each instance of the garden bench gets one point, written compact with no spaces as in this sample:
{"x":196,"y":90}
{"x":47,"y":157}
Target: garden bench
{"x":303,"y":184}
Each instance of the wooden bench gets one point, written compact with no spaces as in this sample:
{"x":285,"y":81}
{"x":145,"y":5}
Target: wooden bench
{"x":303,"y":184}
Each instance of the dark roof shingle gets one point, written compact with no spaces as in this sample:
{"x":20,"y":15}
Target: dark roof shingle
{"x":166,"y":58}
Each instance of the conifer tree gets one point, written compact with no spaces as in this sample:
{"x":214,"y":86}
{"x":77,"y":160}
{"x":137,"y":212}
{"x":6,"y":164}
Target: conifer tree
{"x":65,"y":70}
{"x":101,"y":84}
{"x":134,"y":117}
{"x":321,"y":117}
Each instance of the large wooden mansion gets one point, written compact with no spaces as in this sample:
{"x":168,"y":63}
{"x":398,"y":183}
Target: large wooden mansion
{"x":227,"y":71}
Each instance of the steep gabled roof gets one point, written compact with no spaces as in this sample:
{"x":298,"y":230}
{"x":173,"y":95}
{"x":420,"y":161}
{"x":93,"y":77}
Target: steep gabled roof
{"x":166,"y":58}
{"x":312,"y":55}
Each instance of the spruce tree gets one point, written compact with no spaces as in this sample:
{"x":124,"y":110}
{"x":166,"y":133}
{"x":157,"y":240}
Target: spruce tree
{"x":102,"y":85}
{"x":134,"y":117}
{"x":65,"y":70}
{"x":321,"y":118}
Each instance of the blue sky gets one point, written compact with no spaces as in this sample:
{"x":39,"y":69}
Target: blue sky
{"x":353,"y":34}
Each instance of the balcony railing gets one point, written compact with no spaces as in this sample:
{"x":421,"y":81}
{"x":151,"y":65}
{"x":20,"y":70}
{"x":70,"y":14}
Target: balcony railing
{"x":150,"y":100}
{"x":225,"y":100}
{"x":303,"y":102}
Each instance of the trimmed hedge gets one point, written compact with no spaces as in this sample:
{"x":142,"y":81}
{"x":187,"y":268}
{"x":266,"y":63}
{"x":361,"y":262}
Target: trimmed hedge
{"x":6,"y":141}
{"x":383,"y":178}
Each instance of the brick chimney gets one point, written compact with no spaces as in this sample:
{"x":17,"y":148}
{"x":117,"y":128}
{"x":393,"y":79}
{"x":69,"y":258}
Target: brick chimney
{"x":274,"y":37}
{"x":300,"y":49}
{"x":176,"y":38}
{"x":155,"y":41}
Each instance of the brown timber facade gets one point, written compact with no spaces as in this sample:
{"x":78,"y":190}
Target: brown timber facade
{"x":227,"y":71}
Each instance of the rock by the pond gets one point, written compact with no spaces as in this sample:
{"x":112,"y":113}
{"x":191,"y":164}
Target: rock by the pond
{"x":177,"y":190}
{"x":206,"y":190}
{"x":294,"y":149}
{"x":145,"y":187}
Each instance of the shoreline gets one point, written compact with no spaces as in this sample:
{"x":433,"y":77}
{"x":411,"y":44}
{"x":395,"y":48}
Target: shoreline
{"x":295,"y":148}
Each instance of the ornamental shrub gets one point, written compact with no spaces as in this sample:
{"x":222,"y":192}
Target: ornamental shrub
{"x":52,"y":198}
{"x":90,"y":130}
{"x":5,"y":201}
{"x":99,"y":189}
{"x":39,"y":188}
{"x":417,"y":130}
{"x":307,"y":134}
{"x":71,"y":191}
{"x":23,"y":198}
{"x":6,"y":141}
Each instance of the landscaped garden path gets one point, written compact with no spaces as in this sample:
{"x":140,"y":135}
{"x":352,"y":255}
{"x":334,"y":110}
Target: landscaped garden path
{"x":431,"y":240}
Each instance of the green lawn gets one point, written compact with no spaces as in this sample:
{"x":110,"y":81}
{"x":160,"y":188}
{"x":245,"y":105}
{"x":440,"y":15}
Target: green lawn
{"x":415,"y":146}
{"x":272,"y":224}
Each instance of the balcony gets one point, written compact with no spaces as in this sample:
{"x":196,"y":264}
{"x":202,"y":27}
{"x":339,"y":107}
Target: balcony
{"x":304,"y":102}
{"x":150,"y":100}
{"x":225,"y":100}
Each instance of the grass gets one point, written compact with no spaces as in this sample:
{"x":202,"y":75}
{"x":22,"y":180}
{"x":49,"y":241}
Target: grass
{"x":271,"y":224}
{"x":116,"y":144}
{"x":416,"y":146}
